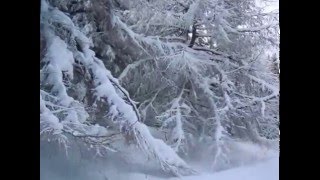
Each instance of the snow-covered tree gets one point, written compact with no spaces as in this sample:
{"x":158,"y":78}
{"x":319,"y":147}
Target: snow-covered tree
{"x":167,"y":76}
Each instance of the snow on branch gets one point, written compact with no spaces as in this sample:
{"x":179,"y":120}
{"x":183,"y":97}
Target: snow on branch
{"x":219,"y":134}
{"x":124,"y":114}
{"x":205,"y":102}
{"x":175,"y":114}
{"x":129,"y":67}
{"x":273,"y":88}
{"x":59,"y":66}
{"x":143,"y":108}
{"x":48,"y":121}
{"x":257,"y":29}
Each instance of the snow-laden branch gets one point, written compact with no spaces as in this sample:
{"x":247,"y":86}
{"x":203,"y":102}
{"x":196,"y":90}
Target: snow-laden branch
{"x":129,"y":67}
{"x":273,"y":88}
{"x":125,"y":116}
{"x":48,"y":121}
{"x":143,"y":108}
{"x":175,"y":114}
{"x":106,"y":89}
{"x":169,"y":39}
{"x":206,"y":102}
{"x":257,"y":29}
{"x":258,"y":99}
{"x":214,"y":52}
{"x":59,"y":65}
{"x":219,"y":134}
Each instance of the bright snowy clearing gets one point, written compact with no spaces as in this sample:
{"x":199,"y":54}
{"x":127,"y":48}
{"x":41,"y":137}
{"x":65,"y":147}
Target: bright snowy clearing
{"x":265,"y":170}
{"x":257,"y":164}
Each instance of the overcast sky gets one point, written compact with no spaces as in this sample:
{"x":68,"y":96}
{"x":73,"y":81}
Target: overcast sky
{"x":269,"y":5}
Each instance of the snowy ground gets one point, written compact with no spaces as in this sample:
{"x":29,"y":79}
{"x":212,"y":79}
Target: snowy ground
{"x":267,"y":170}
{"x":258,"y":164}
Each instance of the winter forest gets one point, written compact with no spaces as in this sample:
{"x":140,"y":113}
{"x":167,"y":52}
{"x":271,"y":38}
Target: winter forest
{"x":159,"y":89}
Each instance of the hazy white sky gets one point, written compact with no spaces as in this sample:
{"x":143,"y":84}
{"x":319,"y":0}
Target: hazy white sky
{"x":269,"y":5}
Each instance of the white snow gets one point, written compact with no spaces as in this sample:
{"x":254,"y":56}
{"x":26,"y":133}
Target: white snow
{"x":266,"y":170}
{"x":61,"y":61}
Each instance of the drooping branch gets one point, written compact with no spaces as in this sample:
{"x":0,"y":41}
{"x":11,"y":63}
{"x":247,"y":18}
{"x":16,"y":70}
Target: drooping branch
{"x":258,"y":29}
